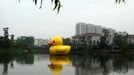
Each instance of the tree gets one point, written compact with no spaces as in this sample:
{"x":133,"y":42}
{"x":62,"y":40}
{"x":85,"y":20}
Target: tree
{"x":67,"y":41}
{"x":119,"y":1}
{"x":12,"y":37}
{"x":6,"y":32}
{"x":120,"y":40}
{"x":5,"y":41}
{"x":57,"y":3}
{"x":104,"y":40}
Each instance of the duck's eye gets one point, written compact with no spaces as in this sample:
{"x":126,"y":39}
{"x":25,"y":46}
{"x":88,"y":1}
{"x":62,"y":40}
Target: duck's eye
{"x":53,"y":67}
{"x":53,"y":41}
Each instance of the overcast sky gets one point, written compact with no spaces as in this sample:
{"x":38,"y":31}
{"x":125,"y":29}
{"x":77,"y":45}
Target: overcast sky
{"x":26,"y":19}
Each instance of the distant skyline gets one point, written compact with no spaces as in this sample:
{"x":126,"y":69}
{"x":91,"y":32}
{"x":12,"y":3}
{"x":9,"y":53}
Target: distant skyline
{"x":26,"y":19}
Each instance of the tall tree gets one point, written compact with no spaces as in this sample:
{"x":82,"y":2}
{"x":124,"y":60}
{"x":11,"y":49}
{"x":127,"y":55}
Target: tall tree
{"x":104,"y":40}
{"x":6,"y":32}
{"x":120,"y":40}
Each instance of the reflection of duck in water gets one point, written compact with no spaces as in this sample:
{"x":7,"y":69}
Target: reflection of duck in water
{"x":57,"y":46}
{"x":57,"y":63}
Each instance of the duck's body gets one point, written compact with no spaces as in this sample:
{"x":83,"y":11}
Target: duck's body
{"x":63,"y":49}
{"x":59,"y":60}
{"x":57,"y":63}
{"x":57,"y":46}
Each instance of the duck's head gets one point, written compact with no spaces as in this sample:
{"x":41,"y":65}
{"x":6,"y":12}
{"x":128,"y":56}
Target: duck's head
{"x":55,"y":69}
{"x":56,"y":40}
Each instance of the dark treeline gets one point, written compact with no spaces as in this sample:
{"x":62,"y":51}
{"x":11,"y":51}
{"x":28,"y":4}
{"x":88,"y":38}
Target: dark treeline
{"x":118,"y":42}
{"x":5,"y":41}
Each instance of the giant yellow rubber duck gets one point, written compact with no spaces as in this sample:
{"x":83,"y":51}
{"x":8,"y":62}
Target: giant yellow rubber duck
{"x":57,"y":47}
{"x":57,"y":63}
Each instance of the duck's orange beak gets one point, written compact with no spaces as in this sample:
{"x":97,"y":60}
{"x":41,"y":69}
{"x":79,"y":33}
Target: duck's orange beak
{"x":49,"y":43}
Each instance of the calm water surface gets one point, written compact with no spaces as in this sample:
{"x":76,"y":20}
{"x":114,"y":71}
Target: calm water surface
{"x":74,"y":64}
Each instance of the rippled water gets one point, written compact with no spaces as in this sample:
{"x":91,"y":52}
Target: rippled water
{"x":74,"y":64}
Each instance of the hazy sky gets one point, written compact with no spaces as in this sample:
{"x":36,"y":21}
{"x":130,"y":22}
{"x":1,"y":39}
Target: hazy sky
{"x":26,"y":19}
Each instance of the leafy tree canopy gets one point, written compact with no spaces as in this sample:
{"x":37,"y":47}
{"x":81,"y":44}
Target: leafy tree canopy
{"x":57,"y":3}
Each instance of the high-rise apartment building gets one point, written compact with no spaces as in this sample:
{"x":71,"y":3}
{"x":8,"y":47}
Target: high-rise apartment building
{"x":83,"y":28}
{"x":91,"y":30}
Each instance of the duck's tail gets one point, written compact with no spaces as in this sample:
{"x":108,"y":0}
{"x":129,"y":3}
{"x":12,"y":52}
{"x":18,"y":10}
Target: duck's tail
{"x":68,"y":49}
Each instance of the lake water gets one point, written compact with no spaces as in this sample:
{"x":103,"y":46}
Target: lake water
{"x":73,"y":64}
